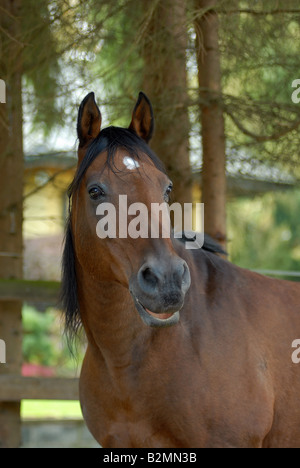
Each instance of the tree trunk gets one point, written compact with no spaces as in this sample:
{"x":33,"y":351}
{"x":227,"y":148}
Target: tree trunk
{"x":212,"y":120}
{"x":165,"y":83}
{"x":11,"y":192}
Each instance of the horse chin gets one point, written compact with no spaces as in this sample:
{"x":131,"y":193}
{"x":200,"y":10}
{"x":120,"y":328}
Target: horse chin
{"x":156,"y":320}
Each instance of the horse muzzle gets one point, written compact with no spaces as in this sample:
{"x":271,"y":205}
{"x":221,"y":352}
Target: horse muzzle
{"x":159,"y":291}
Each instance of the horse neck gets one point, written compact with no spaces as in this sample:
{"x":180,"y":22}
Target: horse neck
{"x":110,"y":320}
{"x":112,"y":324}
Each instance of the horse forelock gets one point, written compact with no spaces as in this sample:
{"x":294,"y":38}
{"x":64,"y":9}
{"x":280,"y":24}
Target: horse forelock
{"x":109,"y":140}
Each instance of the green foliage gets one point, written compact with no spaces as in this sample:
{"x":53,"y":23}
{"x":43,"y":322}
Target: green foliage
{"x":44,"y":343}
{"x":260,"y":57}
{"x":38,"y":347}
{"x":264,"y":232}
{"x":41,"y":65}
{"x":118,"y":64}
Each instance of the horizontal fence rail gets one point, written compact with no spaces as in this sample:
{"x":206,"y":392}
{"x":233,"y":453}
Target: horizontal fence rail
{"x":17,"y":387}
{"x":30,"y":291}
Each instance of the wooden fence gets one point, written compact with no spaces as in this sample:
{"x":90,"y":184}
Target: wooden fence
{"x":15,"y":388}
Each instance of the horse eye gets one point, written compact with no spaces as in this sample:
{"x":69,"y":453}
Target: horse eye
{"x":168,"y":191}
{"x":96,"y":193}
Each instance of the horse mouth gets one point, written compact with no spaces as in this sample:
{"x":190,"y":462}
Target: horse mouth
{"x":156,"y":320}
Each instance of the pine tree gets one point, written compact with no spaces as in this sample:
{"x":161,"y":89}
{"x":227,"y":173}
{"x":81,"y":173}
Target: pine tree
{"x":212,"y":119}
{"x":165,"y":81}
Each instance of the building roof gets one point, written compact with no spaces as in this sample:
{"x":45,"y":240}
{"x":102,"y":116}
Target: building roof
{"x":237,"y":185}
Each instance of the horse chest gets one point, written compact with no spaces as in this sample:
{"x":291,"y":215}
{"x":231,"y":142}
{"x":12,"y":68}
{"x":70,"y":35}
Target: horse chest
{"x":156,"y":414}
{"x":122,"y":412}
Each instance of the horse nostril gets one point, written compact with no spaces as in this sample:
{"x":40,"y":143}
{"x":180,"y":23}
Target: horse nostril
{"x":149,"y":277}
{"x":164,"y":278}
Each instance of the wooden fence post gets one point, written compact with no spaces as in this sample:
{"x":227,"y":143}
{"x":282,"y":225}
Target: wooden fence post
{"x":11,"y":194}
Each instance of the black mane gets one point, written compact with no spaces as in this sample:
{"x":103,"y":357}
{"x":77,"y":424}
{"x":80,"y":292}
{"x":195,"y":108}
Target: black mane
{"x":68,"y":294}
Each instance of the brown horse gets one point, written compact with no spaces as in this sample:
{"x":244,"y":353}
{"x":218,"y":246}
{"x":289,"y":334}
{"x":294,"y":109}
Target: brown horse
{"x":184,"y":348}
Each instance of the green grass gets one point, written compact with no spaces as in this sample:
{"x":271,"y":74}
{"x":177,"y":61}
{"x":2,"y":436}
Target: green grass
{"x":50,"y":409}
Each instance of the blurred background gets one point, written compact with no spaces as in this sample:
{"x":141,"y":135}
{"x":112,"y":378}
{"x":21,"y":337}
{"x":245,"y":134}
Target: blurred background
{"x":221,"y":76}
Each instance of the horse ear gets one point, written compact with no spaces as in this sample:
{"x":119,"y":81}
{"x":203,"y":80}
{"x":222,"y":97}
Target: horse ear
{"x":89,"y":120}
{"x":142,"y":121}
